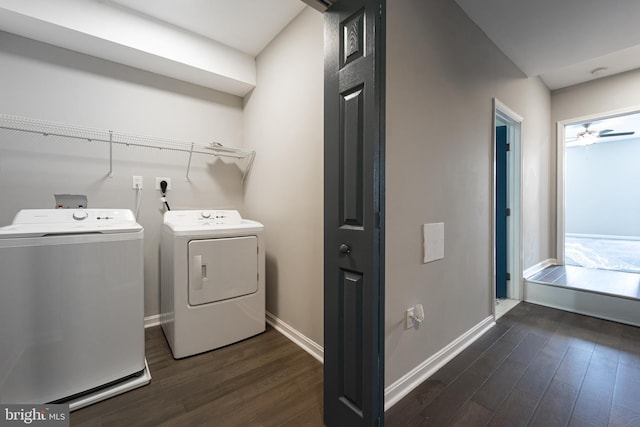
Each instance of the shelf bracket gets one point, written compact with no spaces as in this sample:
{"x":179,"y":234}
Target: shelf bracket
{"x":110,"y":154}
{"x":186,"y":178}
{"x":248,"y":166}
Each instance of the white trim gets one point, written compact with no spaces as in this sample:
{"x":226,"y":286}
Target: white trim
{"x":539,"y":267}
{"x":608,"y":307}
{"x":560,"y":192}
{"x":501,"y":106}
{"x":400,"y":388}
{"x":515,"y":124}
{"x":504,"y":306}
{"x":151,"y":321}
{"x":298,"y":338}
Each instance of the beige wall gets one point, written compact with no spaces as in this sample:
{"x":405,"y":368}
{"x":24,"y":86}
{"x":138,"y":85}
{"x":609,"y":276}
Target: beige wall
{"x":605,"y":95}
{"x":45,"y":82}
{"x":442,"y":73}
{"x":283,"y":122}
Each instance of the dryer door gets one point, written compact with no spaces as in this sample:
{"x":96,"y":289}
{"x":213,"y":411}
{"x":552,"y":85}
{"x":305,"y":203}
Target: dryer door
{"x":221,"y":269}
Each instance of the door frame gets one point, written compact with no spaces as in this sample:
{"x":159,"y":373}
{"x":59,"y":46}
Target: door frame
{"x":560,"y":169}
{"x":514,"y":122}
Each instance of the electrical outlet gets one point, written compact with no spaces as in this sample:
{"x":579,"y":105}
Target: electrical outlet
{"x":409,"y":320}
{"x":163,"y":178}
{"x":136,"y":182}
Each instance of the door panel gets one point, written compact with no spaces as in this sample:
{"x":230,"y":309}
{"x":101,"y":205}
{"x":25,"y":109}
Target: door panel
{"x":354,"y":212}
{"x":351,"y":149}
{"x":501,"y":212}
{"x":351,"y":288}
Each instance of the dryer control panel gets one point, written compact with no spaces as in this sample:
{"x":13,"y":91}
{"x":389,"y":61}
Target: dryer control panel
{"x":203,"y":217}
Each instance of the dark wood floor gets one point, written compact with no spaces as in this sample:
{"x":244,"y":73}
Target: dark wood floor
{"x":263,"y":381}
{"x":536,"y":367}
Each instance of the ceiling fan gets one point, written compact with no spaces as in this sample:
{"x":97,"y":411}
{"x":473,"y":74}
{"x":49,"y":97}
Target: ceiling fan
{"x":588,"y":137}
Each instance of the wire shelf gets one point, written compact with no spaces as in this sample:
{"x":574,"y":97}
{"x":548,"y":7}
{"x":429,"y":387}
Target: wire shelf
{"x":48,"y":128}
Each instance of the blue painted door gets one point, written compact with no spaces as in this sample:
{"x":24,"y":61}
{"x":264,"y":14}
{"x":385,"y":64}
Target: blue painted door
{"x":501,"y":211}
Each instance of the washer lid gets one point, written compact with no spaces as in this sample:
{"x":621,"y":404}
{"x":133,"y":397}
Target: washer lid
{"x":41,"y":222}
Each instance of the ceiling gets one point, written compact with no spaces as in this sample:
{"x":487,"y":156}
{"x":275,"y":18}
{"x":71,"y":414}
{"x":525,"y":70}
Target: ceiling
{"x":245,"y":25}
{"x":562,"y":41}
{"x":211,"y":43}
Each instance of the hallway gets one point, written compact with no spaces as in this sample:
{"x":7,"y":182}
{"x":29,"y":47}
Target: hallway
{"x":537,"y":367}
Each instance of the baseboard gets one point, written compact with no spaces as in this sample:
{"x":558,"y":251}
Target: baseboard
{"x":539,"y":267}
{"x":285,"y":329}
{"x":298,"y":338}
{"x":399,"y":389}
{"x":151,"y":321}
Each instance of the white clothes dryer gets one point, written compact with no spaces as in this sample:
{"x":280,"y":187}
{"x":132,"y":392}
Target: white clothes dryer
{"x":71,"y":306}
{"x":212,"y":280}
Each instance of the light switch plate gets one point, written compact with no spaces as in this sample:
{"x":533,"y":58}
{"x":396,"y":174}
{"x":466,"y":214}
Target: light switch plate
{"x":433,"y":240}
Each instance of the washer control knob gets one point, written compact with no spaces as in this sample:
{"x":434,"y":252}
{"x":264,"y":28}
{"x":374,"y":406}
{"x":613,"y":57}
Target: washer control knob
{"x":205,"y":214}
{"x":80,"y":215}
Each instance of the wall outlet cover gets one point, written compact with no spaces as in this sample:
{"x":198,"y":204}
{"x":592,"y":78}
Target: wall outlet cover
{"x":136,"y":182}
{"x":409,"y":322}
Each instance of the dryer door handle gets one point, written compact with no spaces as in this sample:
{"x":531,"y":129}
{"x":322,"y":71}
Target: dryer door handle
{"x":195,"y":274}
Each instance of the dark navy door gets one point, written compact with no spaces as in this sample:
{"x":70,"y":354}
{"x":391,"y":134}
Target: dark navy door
{"x":354,"y":214}
{"x":501,"y":211}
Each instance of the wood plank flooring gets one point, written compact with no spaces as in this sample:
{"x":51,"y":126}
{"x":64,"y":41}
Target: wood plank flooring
{"x":263,"y":381}
{"x":537,"y":367}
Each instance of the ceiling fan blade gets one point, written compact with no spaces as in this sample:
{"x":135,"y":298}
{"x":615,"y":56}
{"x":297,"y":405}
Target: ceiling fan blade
{"x":616,"y":134}
{"x":604,"y":131}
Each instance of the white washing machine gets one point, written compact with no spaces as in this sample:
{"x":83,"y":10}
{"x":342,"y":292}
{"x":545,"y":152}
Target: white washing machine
{"x":212,"y":280}
{"x":71,"y":306}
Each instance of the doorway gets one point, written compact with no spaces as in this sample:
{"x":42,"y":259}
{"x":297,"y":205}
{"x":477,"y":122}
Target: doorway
{"x":598,"y":199}
{"x":507,"y":208}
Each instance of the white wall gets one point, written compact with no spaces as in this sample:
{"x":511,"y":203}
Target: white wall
{"x":283,"y":122}
{"x":442,"y":73}
{"x":602,"y":195}
{"x":44,"y":82}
